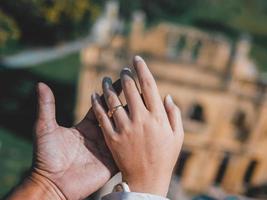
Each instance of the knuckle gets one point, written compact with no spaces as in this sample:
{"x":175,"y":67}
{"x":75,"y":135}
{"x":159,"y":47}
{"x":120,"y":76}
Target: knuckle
{"x":147,"y":82}
{"x":43,"y":127}
{"x":125,"y":129}
{"x":114,"y":138}
{"x":128,"y":82}
{"x":100,"y":118}
{"x":111,"y":98}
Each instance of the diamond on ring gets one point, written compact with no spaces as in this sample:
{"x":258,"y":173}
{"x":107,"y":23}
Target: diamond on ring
{"x":114,"y":109}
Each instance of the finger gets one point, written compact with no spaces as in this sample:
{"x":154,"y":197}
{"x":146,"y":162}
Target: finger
{"x":112,"y":100}
{"x":101,"y":116}
{"x":173,"y":114}
{"x":46,"y":121}
{"x":131,"y":93}
{"x":90,"y":114}
{"x":148,"y":86}
{"x":117,"y":88}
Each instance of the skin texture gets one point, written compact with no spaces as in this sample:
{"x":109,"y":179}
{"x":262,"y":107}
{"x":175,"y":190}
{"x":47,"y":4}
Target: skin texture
{"x":146,"y":141}
{"x":69,"y":163}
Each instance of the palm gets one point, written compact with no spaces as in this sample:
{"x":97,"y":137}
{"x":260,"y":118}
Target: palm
{"x":76,"y":159}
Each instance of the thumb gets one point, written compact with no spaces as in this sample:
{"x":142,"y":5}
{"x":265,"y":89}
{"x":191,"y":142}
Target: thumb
{"x":46,"y":121}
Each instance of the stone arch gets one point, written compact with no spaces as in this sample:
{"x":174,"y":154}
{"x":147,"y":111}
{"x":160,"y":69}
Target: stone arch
{"x":241,"y":128}
{"x":181,"y":163}
{"x":180,"y":45}
{"x":197,"y":113}
{"x":222,"y":169}
{"x":249,"y":172}
{"x":196,"y":49}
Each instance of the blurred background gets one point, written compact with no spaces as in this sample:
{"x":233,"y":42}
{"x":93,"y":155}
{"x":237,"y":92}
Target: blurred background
{"x":211,"y":55}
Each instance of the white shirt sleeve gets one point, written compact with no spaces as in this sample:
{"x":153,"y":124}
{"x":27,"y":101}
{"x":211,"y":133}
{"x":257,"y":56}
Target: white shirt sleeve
{"x":132,"y":196}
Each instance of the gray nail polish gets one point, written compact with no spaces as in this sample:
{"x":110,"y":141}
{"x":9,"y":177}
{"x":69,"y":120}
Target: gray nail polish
{"x":127,"y":69}
{"x":126,"y":73}
{"x":107,"y":82}
{"x":93,"y":98}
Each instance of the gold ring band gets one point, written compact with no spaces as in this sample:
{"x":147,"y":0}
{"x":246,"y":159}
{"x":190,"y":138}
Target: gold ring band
{"x":114,"y":109}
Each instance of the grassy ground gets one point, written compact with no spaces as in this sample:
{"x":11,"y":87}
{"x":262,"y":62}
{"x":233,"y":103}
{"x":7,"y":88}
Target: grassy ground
{"x":65,"y":69}
{"x":258,"y":54}
{"x":15,"y":157}
{"x":17,"y":105}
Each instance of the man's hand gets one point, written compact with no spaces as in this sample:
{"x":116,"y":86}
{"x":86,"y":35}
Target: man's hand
{"x":75,"y":161}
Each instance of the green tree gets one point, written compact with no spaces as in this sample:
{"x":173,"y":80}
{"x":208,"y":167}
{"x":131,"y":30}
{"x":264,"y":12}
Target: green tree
{"x":8,"y":29}
{"x":47,"y":21}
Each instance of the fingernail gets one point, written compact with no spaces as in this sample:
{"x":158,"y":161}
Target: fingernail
{"x":126,"y":73}
{"x":107,"y":82}
{"x":138,"y":58}
{"x":94,"y":97}
{"x":169,"y":99}
{"x":126,"y":69}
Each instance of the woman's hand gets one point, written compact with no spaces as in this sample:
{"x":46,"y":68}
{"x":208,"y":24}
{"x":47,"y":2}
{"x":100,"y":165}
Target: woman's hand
{"x":145,"y":143}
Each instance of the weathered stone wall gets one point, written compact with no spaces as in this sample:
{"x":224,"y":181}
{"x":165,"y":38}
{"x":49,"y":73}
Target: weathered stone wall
{"x":224,"y":114}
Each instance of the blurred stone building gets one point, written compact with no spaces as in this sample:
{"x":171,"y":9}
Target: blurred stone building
{"x":212,"y":80}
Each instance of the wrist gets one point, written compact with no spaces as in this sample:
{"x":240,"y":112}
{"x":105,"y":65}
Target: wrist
{"x":37,"y":186}
{"x":153,"y":185}
{"x":46,"y":186}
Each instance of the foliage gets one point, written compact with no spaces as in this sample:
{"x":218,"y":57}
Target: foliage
{"x":74,"y":10}
{"x":15,"y":160}
{"x":47,"y":21}
{"x":8,"y":29}
{"x":64,"y":69}
{"x":230,"y":17}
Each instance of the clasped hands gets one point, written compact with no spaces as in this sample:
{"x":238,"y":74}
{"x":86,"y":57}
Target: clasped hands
{"x":143,"y":143}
